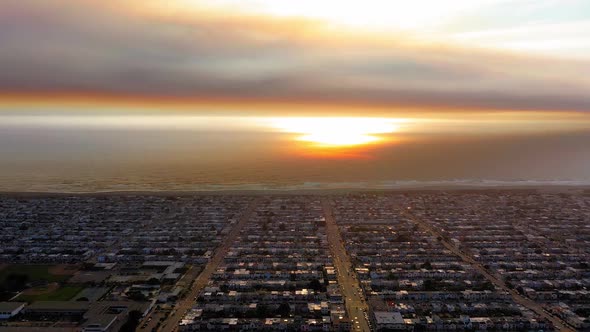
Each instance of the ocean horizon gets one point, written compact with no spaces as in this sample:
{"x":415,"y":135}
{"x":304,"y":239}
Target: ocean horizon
{"x":87,"y":188}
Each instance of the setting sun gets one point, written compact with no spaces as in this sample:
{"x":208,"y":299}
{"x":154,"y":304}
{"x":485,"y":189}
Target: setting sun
{"x":337,"y":132}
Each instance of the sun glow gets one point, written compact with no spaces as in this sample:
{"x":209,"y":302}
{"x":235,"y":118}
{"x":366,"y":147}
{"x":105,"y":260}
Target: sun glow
{"x":337,"y":132}
{"x":396,"y":14}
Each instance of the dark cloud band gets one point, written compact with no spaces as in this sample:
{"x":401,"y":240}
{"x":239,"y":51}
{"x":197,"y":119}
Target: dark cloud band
{"x":55,"y":46}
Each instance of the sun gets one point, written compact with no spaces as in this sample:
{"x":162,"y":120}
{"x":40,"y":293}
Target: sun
{"x":337,"y":132}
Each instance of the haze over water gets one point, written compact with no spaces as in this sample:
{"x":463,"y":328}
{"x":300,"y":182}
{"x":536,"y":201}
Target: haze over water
{"x":65,"y":152}
{"x":227,"y":94}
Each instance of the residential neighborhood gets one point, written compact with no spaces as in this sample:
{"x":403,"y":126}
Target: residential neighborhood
{"x":411,"y":261}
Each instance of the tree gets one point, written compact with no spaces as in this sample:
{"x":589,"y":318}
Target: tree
{"x":284,"y":310}
{"x":316,"y":285}
{"x":136,"y":296}
{"x":427,"y":266}
{"x":403,"y":237}
{"x":391,"y":276}
{"x":261,"y":311}
{"x":132,"y":321}
{"x":153,"y":281}
{"x":15,"y":282}
{"x":429,"y":285}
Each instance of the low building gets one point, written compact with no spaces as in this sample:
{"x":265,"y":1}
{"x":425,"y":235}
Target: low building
{"x":56,"y":309}
{"x":10,"y":309}
{"x":388,"y":320}
{"x":102,"y":323}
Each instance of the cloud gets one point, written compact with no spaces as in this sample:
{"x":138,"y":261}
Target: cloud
{"x":89,"y":47}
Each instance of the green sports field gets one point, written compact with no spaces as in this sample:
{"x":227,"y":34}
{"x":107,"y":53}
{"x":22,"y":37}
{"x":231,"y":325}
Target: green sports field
{"x":34,"y":273}
{"x":61,"y":294}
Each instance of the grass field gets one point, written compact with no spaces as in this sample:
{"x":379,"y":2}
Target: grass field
{"x":34,"y":272}
{"x":61,"y":294}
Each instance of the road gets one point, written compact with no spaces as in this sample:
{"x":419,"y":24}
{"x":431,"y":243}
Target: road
{"x":356,"y":305}
{"x":525,"y":302}
{"x":200,"y":281}
{"x":150,"y":323}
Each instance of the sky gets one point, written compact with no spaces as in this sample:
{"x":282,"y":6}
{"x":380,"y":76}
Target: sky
{"x":263,"y":90}
{"x":457,"y":54}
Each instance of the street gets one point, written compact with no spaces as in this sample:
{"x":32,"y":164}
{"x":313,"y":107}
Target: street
{"x":200,"y":281}
{"x":356,"y":305}
{"x":527,"y":303}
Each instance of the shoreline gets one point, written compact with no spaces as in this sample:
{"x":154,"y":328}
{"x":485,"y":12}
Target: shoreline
{"x":311,"y":192}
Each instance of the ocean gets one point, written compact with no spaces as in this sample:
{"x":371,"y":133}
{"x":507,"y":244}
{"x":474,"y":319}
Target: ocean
{"x":97,"y":153}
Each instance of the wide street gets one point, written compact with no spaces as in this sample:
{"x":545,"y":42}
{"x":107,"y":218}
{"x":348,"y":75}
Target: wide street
{"x":201,"y":280}
{"x":525,"y":302}
{"x":349,"y":284}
